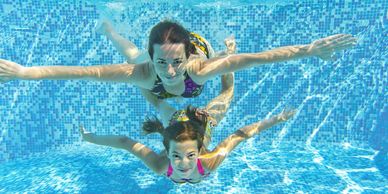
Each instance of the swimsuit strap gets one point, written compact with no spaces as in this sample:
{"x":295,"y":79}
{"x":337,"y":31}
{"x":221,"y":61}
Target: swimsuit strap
{"x":159,"y":90}
{"x":169,"y":170}
{"x":199,"y":43}
{"x":200,"y":168}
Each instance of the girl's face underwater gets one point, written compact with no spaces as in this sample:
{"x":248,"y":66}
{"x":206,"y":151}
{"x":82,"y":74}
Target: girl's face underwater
{"x":183,"y":157}
{"x":169,"y":62}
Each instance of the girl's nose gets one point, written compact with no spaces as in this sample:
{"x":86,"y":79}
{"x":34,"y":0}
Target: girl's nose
{"x":184,"y":162}
{"x":171,"y":71}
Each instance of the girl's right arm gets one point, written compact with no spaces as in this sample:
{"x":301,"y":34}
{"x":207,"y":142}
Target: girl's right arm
{"x":128,"y":49}
{"x":139,"y":75}
{"x":156,"y":162}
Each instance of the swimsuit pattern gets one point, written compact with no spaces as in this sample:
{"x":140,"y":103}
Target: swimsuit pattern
{"x":191,"y":89}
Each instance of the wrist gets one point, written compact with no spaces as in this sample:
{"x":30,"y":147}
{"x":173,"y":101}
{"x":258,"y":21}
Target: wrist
{"x":280,"y":118}
{"x":305,"y":49}
{"x":22,"y":73}
{"x":109,"y":34}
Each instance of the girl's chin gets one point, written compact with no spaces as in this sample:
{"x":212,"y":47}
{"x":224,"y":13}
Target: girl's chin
{"x":173,"y":80}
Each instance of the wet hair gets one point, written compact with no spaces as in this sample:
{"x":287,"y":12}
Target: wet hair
{"x":193,"y":129}
{"x":169,"y":32}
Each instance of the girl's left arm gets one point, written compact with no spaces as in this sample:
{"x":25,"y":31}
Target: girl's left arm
{"x":213,"y":159}
{"x":201,"y":71}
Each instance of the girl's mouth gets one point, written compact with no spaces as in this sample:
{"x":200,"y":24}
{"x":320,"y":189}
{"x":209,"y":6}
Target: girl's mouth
{"x":171,"y":78}
{"x":184,"y":170}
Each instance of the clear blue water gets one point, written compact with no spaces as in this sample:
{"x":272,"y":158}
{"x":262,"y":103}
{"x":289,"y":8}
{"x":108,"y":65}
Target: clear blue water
{"x":337,"y":143}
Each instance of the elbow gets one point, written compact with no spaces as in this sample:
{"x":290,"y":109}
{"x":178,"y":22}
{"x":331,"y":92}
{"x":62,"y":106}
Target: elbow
{"x":31,"y":73}
{"x":241,"y":134}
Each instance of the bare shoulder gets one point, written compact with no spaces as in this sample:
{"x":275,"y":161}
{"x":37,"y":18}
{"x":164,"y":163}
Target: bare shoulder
{"x":163,"y":162}
{"x":147,"y":73}
{"x":207,"y":160}
{"x":207,"y":165}
{"x":194,"y":67}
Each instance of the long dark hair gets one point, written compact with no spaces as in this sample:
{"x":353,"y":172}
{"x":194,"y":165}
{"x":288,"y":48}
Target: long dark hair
{"x":193,"y":129}
{"x":169,"y":32}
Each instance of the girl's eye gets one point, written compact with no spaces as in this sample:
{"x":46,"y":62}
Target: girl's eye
{"x":177,"y":61}
{"x":191,"y":155}
{"x":175,"y":156}
{"x":162,"y":62}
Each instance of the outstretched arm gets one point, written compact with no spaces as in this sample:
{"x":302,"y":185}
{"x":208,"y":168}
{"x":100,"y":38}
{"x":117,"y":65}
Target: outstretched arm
{"x":201,"y":71}
{"x":154,"y":161}
{"x":139,"y":75}
{"x":217,"y":156}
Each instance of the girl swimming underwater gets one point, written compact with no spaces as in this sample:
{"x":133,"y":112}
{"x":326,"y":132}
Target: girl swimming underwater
{"x":179,"y":64}
{"x":186,"y":157}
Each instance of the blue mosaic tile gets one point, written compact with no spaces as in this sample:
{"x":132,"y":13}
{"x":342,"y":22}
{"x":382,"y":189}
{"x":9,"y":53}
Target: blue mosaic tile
{"x":341,"y":102}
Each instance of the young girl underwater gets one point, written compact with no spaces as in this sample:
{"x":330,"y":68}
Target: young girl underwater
{"x":186,"y":158}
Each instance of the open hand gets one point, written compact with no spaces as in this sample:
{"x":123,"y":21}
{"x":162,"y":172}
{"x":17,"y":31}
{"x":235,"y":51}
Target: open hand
{"x":324,"y":48}
{"x":230,"y":44}
{"x":10,"y":70}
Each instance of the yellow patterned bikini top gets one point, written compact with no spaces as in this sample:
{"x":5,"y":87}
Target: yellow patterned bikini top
{"x":200,"y":43}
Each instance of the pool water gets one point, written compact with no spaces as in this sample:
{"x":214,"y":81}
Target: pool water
{"x":336,"y":143}
{"x":289,"y":168}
